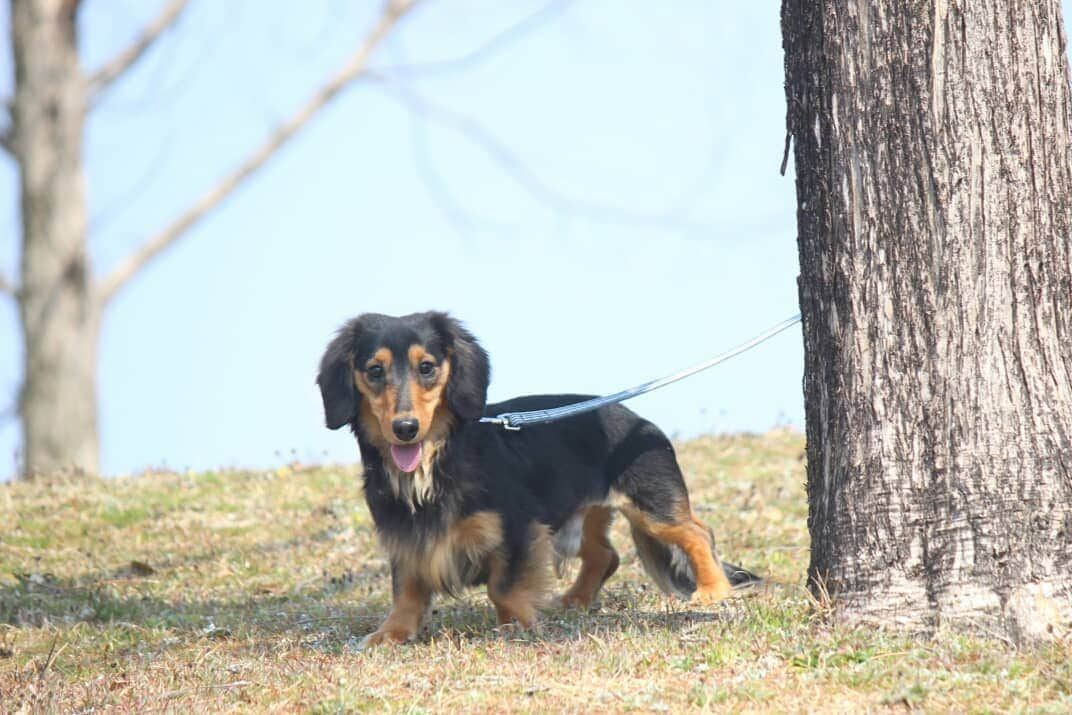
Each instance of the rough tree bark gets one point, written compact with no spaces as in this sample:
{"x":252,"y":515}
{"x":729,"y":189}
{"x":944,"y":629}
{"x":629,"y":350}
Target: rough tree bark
{"x":57,"y":309}
{"x":934,"y":181}
{"x":60,"y":303}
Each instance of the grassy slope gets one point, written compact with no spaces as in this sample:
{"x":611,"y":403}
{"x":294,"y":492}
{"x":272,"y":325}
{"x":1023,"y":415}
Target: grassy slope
{"x":247,"y":591}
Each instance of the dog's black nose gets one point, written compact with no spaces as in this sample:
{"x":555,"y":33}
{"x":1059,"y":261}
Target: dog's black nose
{"x":406,"y":428}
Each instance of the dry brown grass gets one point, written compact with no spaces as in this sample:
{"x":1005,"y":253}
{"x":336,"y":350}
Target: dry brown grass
{"x":248,"y":590}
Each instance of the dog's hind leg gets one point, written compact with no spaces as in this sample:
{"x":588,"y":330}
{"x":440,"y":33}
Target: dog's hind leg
{"x":675,"y":547}
{"x":599,"y":560}
{"x":661,"y":543}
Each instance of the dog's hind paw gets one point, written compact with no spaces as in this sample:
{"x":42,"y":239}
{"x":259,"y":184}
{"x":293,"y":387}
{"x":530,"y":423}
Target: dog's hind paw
{"x":710,"y":596}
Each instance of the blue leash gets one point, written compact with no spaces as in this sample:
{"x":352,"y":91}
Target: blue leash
{"x":516,"y":420}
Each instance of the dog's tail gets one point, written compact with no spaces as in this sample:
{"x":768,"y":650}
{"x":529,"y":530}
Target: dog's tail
{"x":669,"y":568}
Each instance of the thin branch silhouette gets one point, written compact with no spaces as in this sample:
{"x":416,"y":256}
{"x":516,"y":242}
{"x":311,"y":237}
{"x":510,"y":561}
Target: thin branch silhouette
{"x":114,"y":68}
{"x":492,"y":46}
{"x":354,"y":69}
{"x":523,"y":176}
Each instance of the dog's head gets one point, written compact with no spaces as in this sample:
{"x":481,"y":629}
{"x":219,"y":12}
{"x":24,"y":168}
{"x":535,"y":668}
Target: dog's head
{"x":401,"y":381}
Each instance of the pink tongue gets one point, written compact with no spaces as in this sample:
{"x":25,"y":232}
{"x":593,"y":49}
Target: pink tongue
{"x":406,"y":456}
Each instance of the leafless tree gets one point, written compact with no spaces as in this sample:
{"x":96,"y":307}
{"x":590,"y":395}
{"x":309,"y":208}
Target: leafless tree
{"x":934,"y":181}
{"x":59,"y":299}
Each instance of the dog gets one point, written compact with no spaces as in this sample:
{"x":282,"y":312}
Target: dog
{"x":457,"y":502}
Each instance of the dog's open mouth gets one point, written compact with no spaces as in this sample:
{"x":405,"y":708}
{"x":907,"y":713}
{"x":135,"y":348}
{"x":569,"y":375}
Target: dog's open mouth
{"x":406,"y":456}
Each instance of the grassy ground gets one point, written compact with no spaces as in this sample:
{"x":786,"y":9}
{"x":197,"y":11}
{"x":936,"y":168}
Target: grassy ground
{"x":248,"y":591}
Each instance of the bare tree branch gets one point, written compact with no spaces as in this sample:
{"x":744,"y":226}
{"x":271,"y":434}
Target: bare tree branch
{"x":7,"y":287}
{"x":352,"y":70}
{"x":515,"y":167}
{"x":70,"y":8}
{"x":487,"y":51}
{"x":7,"y":135}
{"x":115,"y":67}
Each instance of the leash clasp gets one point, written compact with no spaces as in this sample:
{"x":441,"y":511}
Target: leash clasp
{"x":503,"y":420}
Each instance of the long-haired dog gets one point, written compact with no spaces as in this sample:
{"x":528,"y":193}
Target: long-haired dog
{"x":457,"y":502}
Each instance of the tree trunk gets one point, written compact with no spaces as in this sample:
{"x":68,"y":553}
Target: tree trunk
{"x":933,"y":154}
{"x":58,"y":311}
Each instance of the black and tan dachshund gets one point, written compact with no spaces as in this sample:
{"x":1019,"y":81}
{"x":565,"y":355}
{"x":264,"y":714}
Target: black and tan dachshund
{"x":457,"y":502}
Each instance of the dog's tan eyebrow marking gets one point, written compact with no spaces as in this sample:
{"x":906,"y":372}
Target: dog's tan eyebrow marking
{"x":380,"y":357}
{"x":417,"y":355}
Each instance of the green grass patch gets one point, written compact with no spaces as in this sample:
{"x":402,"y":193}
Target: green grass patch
{"x":246,"y":591}
{"x":122,"y":517}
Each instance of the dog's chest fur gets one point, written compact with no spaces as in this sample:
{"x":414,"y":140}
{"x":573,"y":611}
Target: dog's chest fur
{"x":424,"y":524}
{"x":414,"y":489}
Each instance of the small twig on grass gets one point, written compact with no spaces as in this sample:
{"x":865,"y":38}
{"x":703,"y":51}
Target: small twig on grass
{"x":984,"y":629}
{"x":321,"y":619}
{"x":597,"y":640}
{"x":7,"y":645}
{"x":891,"y":654}
{"x":53,"y":653}
{"x":171,"y":695}
{"x":822,"y":602}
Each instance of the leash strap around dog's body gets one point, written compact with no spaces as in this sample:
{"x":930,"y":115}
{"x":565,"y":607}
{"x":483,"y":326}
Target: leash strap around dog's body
{"x":517,"y":420}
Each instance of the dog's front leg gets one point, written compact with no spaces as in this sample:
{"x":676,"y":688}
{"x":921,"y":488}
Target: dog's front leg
{"x":519,"y":579}
{"x":411,"y":598}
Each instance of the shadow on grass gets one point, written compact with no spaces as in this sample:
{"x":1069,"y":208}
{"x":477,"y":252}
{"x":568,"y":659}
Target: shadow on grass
{"x":316,"y":614}
{"x":326,"y":613}
{"x":144,"y":595}
{"x":112,"y":632}
{"x":478,"y":625}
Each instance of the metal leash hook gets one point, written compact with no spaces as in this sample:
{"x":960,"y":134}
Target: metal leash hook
{"x":514,"y":421}
{"x":504,"y":420}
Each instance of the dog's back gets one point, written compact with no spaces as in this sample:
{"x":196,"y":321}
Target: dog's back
{"x":582,"y":467}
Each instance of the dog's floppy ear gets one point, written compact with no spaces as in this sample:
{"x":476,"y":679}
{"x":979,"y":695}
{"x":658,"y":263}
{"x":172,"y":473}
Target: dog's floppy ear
{"x":470,"y":371}
{"x":336,"y":378}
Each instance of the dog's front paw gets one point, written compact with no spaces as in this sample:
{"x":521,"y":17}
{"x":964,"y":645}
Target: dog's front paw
{"x":523,"y":618}
{"x":515,"y":629}
{"x":574,"y":601}
{"x":385,"y":636}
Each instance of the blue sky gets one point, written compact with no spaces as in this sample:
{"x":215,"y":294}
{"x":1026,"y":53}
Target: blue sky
{"x":596,"y":196}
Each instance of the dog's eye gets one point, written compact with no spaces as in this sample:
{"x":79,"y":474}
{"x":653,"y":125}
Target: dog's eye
{"x":427,"y":369}
{"x":374,"y":372}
